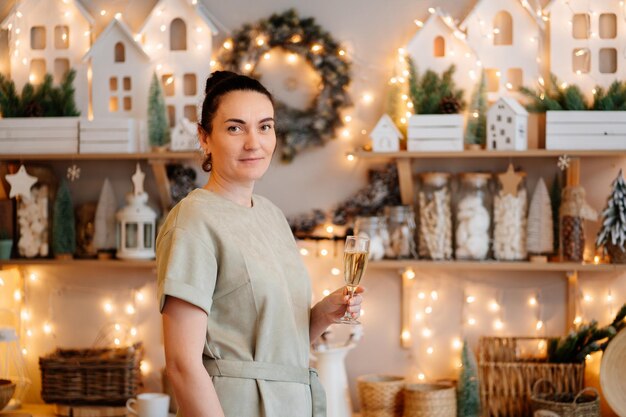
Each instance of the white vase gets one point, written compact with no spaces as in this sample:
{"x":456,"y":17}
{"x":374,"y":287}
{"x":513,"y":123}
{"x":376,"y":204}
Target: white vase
{"x":332,"y":373}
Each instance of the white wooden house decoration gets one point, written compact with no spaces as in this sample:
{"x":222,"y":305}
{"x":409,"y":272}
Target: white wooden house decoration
{"x":49,"y":36}
{"x":587,"y":42}
{"x":507,"y":126}
{"x":440,"y":43}
{"x":177,"y":35}
{"x":507,"y":37}
{"x":386,"y":135}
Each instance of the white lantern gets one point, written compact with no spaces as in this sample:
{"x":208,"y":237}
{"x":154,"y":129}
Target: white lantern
{"x":12,"y":366}
{"x":136,"y":223}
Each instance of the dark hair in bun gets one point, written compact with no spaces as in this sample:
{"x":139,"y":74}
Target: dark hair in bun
{"x":219,"y":84}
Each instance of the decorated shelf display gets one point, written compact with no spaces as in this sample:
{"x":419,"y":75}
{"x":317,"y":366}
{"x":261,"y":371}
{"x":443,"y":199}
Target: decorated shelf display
{"x":386,"y":136}
{"x":104,"y":239}
{"x":540,"y":234}
{"x":302,"y":39}
{"x":436,"y":124}
{"x":401,"y":227}
{"x":473,"y":217}
{"x":375,"y":228}
{"x":435,"y":216}
{"x":573,"y":212}
{"x":506,"y":36}
{"x":507,"y":125}
{"x":158,"y":126}
{"x":136,"y":223}
{"x":589,"y":52}
{"x":612,"y":235}
{"x":63,"y":224}
{"x":509,"y":216}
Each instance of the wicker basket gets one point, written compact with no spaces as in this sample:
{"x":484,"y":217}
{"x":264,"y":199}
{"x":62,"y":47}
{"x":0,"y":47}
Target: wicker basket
{"x":381,"y":395}
{"x":429,"y":400}
{"x":507,"y":375}
{"x":7,"y":389}
{"x":106,"y":376}
{"x":564,"y":404}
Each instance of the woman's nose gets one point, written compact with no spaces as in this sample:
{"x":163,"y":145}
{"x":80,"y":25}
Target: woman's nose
{"x":252,"y":141}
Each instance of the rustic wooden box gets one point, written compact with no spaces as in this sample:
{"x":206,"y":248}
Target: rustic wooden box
{"x":435,"y":132}
{"x":586,"y":130}
{"x":108,"y":136}
{"x":29,"y":135}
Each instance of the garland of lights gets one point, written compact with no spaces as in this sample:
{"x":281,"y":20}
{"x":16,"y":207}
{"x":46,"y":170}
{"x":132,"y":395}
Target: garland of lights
{"x":296,"y":129}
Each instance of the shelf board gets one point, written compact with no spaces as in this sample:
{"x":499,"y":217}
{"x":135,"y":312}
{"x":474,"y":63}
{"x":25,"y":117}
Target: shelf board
{"x":91,"y":263}
{"x":159,"y":156}
{"x":532,"y":153}
{"x":496,"y":266}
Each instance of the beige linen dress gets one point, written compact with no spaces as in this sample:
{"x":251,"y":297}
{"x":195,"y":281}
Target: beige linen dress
{"x":242,"y":267}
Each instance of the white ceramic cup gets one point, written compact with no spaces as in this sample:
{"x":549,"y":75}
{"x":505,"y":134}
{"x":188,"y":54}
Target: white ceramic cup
{"x":150,"y":404}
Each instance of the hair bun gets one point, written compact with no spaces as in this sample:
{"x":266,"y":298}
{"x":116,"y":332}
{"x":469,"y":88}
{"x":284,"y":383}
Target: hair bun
{"x":216,"y":78}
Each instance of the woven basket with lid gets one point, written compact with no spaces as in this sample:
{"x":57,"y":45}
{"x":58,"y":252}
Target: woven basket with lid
{"x":429,"y":400}
{"x":381,"y":395}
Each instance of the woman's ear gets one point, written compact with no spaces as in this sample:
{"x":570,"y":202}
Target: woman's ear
{"x":203,"y":138}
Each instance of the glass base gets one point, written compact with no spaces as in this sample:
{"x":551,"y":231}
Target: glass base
{"x":347,"y":320}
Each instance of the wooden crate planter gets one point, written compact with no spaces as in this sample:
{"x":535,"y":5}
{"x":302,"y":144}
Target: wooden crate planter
{"x":586,"y":130}
{"x":108,"y":136}
{"x":39,"y":135}
{"x":435,"y":132}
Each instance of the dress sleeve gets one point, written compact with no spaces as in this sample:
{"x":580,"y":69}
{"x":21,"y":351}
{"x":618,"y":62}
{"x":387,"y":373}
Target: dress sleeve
{"x":186,"y":269}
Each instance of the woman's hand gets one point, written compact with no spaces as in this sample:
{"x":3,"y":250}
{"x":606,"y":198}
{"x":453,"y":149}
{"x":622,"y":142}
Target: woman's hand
{"x":333,"y":307}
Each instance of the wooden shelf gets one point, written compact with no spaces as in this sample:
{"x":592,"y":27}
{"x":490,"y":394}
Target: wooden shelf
{"x":150,"y":156}
{"x":89,"y":263}
{"x":532,"y":153}
{"x":495,"y":266}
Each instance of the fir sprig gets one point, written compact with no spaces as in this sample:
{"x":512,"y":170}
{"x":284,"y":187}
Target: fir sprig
{"x":555,"y":96}
{"x":428,"y":92}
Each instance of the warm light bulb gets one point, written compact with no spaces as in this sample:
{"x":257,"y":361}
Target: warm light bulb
{"x":267,"y":56}
{"x":316,"y":48}
{"x":406,"y":335}
{"x":342,"y":52}
{"x":496,"y":31}
{"x":247,"y":67}
{"x":509,"y":86}
{"x":470,"y":299}
{"x":33,"y":277}
{"x":324,"y":252}
{"x":345,"y":133}
{"x":212,"y":63}
{"x":419,"y":23}
{"x":292,"y":58}
{"x":260,"y":42}
{"x":367,"y":98}
{"x":139,"y":296}
{"x":117,"y":327}
{"x":456,"y":343}
{"x":24,"y":351}
{"x":117,"y":341}
{"x":347,"y":119}
{"x":409,"y":105}
{"x":335,"y":271}
{"x":47,"y":328}
{"x":169,"y":80}
{"x":304,"y":252}
{"x":118,"y":16}
{"x":108,"y":307}
{"x":430,"y":350}
{"x":350,"y":156}
{"x":17,"y":295}
{"x":29,"y":333}
{"x":330,"y":229}
{"x":434,"y":295}
{"x":471,"y":321}
{"x":133,"y":331}
{"x":428,"y":310}
{"x":578,"y":320}
{"x":163,"y":28}
{"x":475,"y":115}
{"x":198,"y":29}
{"x":498,"y":324}
{"x":588,"y":358}
{"x":103,"y":12}
{"x":144,"y":367}
{"x":228,"y":44}
{"x":609,"y":298}
{"x":421,"y":376}
{"x":19,"y":14}
{"x":498,"y":74}
{"x":418,"y":316}
{"x":494,"y":306}
{"x":564,"y":85}
{"x":409,"y":273}
{"x":596,"y":259}
{"x":427,"y":332}
{"x":431,"y":10}
{"x":541,"y":81}
{"x":421,"y":295}
{"x":25,"y":314}
{"x":588,"y":298}
{"x":532,"y":301}
{"x":326,"y":292}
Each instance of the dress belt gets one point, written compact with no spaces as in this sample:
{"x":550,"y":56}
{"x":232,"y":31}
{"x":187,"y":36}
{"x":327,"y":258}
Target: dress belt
{"x":271,"y":372}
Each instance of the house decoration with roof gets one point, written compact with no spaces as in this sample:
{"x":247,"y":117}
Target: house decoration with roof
{"x":507,"y":126}
{"x":440,"y":43}
{"x":507,"y":36}
{"x":49,"y":36}
{"x":177,"y":35}
{"x":386,"y":136}
{"x":587,"y":42}
{"x":120,"y":69}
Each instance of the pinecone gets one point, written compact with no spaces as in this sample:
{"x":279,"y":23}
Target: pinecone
{"x":450,"y":105}
{"x":33,"y":109}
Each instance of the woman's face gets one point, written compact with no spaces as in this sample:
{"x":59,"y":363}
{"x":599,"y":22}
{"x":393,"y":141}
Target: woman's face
{"x":242,"y":138}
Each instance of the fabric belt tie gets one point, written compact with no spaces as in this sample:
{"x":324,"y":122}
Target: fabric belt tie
{"x":271,"y":372}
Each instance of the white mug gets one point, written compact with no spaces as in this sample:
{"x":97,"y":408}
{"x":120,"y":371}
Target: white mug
{"x":150,"y":404}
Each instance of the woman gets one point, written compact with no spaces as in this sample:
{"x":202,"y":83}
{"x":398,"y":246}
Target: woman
{"x":234,"y":293}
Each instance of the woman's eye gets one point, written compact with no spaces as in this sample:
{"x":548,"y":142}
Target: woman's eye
{"x":266,"y":128}
{"x":234,"y":129}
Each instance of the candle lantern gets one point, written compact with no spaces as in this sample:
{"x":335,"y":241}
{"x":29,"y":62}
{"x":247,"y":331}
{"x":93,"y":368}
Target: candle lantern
{"x":12,"y":367}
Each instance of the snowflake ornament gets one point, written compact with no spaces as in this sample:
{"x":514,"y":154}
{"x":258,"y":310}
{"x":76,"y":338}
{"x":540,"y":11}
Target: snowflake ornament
{"x":563,"y":162}
{"x":73,"y":173}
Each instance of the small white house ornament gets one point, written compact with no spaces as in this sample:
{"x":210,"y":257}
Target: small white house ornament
{"x":185,"y":136}
{"x":507,"y":126}
{"x":386,"y":135}
{"x":136,"y":223}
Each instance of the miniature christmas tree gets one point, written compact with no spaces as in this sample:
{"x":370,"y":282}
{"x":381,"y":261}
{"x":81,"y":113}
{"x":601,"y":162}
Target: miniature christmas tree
{"x":555,"y":198}
{"x":476,"y":132}
{"x":540,"y":238}
{"x":158,"y":125}
{"x":612,"y":235}
{"x":468,"y":389}
{"x":104,"y":238}
{"x":63,"y":229}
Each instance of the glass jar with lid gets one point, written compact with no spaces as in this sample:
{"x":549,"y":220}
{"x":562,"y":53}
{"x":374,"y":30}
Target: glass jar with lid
{"x":435,"y":216}
{"x":509,"y":217}
{"x":473,"y":216}
{"x":375,"y":228}
{"x":401,"y":229}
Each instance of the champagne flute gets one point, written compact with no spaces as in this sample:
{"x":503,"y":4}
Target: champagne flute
{"x":355,"y":256}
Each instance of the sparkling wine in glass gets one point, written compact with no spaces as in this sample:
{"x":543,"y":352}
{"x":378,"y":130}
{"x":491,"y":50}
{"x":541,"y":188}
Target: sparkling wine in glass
{"x":355,"y":256}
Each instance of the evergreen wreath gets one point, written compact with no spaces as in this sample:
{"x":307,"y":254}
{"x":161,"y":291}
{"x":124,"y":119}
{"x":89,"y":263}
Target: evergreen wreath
{"x":296,"y":129}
